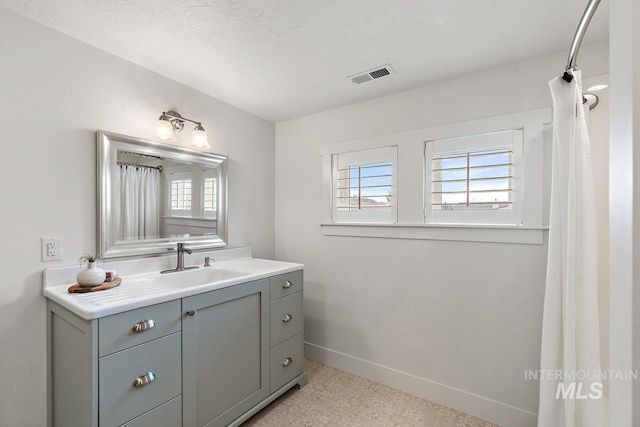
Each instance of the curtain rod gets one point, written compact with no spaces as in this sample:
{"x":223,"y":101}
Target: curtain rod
{"x":159,"y":168}
{"x":577,"y":39}
{"x":148,"y":156}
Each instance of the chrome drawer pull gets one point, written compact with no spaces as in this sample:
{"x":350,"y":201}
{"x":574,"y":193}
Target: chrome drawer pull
{"x":144,"y":379}
{"x":286,"y":284}
{"x":287,"y":318}
{"x":286,"y":362}
{"x":143,"y":325}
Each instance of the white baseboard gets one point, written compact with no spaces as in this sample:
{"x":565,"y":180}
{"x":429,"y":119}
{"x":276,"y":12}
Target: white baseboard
{"x":469,"y":403}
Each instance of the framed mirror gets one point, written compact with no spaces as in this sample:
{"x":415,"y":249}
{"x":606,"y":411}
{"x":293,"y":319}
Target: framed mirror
{"x":153,"y":195}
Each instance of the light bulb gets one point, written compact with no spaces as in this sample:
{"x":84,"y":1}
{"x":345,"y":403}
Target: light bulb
{"x":199,"y":138}
{"x":164,"y":129}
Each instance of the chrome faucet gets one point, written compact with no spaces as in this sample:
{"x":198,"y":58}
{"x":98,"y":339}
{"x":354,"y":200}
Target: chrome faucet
{"x":180,"y":250}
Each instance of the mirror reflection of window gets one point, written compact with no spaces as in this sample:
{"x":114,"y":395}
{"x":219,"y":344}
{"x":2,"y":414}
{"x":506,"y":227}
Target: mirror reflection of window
{"x":190,"y":199}
{"x":191,"y":194}
{"x":209,"y":196}
{"x":180,"y":198}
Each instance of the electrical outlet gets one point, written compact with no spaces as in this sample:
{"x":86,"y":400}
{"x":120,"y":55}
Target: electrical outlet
{"x":246,"y":238}
{"x":51,"y":248}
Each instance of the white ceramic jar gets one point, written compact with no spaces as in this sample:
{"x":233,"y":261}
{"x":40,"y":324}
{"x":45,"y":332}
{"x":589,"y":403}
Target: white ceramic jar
{"x":91,"y":276}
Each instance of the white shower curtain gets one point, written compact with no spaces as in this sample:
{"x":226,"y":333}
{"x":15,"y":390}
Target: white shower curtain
{"x":570,"y":330}
{"x":137,"y":210}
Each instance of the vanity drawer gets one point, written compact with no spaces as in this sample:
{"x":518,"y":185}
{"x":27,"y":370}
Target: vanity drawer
{"x":166,"y":415}
{"x":286,"y":362}
{"x":138,"y":326}
{"x":119,"y":399}
{"x":286,"y":317}
{"x":285,"y":284}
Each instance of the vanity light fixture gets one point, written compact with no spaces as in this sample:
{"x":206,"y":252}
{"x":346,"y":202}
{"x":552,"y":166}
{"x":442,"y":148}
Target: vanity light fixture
{"x":171,"y":121}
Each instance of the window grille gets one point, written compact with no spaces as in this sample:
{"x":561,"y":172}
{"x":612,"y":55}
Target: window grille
{"x":481,"y":179}
{"x":365,"y":187}
{"x":181,"y":194}
{"x":209,"y":195}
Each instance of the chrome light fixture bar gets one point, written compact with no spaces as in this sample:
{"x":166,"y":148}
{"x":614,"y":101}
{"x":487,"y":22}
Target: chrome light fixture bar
{"x":171,"y":121}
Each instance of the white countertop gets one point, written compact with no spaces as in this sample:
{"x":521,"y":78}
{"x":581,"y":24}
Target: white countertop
{"x":139,"y":289}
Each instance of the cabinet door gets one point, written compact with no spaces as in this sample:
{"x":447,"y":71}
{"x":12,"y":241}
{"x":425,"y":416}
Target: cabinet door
{"x":225,"y":351}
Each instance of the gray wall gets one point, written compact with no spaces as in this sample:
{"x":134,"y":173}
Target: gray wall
{"x":54,"y":93}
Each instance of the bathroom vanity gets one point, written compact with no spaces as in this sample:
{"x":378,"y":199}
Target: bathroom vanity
{"x":206,"y":347}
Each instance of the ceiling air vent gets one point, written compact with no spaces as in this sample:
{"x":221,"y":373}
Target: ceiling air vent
{"x":374,"y":73}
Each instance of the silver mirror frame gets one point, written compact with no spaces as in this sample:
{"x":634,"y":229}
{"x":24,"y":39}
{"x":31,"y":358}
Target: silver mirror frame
{"x":108,"y":144}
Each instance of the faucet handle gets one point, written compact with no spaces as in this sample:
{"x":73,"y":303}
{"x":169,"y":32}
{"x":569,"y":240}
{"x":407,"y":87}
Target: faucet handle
{"x":181,"y":248}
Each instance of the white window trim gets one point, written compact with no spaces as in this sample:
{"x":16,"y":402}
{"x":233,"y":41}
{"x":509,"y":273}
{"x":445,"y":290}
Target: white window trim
{"x":491,"y":233}
{"x":410,"y":177}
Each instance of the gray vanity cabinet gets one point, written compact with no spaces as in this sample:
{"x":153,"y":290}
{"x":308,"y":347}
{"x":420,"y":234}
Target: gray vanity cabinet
{"x":207,"y":360}
{"x":225,"y":353}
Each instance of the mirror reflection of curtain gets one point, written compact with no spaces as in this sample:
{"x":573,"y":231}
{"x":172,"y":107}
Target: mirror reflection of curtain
{"x":137,"y":209}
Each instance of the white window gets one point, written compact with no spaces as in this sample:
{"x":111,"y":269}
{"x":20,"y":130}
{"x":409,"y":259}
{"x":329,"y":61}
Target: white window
{"x":482,"y":180}
{"x":209,"y":196}
{"x":364,"y":186}
{"x":180,"y":196}
{"x":474,"y":179}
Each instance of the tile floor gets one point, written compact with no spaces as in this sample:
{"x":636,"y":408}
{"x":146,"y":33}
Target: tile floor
{"x":336,"y":398}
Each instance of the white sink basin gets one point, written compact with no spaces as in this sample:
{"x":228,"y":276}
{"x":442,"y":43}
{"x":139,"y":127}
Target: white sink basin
{"x":201,"y":276}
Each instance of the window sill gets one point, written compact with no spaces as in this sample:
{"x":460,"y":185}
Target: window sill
{"x":455,"y":232}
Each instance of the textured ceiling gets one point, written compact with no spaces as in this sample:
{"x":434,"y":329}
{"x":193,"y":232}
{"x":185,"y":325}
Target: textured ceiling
{"x":281,"y":59}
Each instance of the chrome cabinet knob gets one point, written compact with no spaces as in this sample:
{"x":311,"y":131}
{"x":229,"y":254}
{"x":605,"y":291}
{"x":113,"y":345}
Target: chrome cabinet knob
{"x":286,"y":362}
{"x":144,"y":379}
{"x":287,"y":318}
{"x":191,"y":313}
{"x":286,"y":284}
{"x":143,"y":325}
